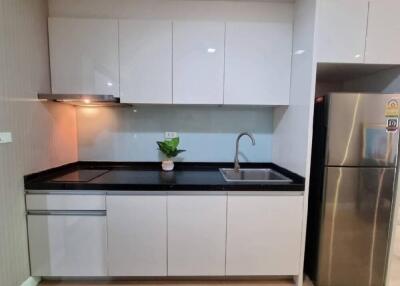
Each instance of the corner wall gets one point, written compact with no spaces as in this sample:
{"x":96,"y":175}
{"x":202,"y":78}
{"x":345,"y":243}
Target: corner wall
{"x":292,"y":125}
{"x":44,"y":135}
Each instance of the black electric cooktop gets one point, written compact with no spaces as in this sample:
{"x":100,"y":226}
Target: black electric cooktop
{"x":80,"y":176}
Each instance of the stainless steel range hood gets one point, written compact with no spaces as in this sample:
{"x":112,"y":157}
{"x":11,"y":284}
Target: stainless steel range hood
{"x":82,"y":99}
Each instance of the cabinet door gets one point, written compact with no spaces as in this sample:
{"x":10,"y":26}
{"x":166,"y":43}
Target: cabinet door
{"x":264,"y":234}
{"x":137,"y":235}
{"x":258,"y":63}
{"x":198,"y":62}
{"x":341,"y":31}
{"x":84,"y":56}
{"x":145,"y":61}
{"x":67,"y":245}
{"x":196,"y":235}
{"x":383,"y":40}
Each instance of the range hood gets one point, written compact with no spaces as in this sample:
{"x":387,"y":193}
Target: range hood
{"x":82,"y":99}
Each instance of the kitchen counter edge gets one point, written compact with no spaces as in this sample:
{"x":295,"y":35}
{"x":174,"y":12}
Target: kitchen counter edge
{"x":39,"y":182}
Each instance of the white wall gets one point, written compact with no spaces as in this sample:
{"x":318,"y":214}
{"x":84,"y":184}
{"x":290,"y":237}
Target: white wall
{"x":44,"y":134}
{"x":292,"y":125}
{"x":208,"y":133}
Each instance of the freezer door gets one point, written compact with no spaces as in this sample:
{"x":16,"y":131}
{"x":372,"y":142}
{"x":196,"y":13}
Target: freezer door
{"x":354,"y":236}
{"x":357,"y":134}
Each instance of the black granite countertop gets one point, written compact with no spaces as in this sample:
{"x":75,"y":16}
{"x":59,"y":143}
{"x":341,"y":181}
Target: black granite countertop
{"x":147,"y":176}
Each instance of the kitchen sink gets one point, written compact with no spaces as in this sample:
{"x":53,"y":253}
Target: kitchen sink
{"x":254,"y":176}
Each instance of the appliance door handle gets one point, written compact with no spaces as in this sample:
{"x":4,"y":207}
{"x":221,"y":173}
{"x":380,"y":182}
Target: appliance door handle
{"x":67,"y":213}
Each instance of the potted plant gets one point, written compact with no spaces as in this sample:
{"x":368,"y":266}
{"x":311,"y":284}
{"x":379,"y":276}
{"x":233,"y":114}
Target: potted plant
{"x":169,"y":148}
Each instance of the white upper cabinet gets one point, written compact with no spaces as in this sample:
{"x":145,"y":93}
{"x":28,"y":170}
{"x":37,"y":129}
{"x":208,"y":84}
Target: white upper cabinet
{"x":198,"y":62}
{"x":84,"y":56}
{"x":383,"y":39}
{"x":145,"y":61}
{"x":258,"y":63}
{"x":342,"y":27}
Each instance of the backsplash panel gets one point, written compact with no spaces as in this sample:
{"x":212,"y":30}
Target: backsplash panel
{"x":208,"y":133}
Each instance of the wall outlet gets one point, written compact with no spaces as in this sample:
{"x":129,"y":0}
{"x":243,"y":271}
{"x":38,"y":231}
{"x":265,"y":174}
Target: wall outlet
{"x":5,"y":137}
{"x":170,"y":135}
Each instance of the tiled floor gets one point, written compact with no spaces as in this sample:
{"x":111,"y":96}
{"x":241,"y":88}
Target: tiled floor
{"x":173,"y":283}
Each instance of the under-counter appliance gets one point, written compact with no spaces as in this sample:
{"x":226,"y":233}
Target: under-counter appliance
{"x":67,"y":234}
{"x":352,"y":188}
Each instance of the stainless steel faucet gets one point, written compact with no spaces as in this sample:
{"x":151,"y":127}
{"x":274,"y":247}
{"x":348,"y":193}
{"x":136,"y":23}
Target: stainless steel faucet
{"x":253,"y":141}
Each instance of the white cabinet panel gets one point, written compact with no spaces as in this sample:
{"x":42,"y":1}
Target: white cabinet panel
{"x":264,"y":234}
{"x":65,"y":202}
{"x":196,"y":235}
{"x":137,"y":235}
{"x":84,"y":56}
{"x":383,"y":39}
{"x":258,"y":63}
{"x":67,"y":245}
{"x":342,"y":28}
{"x":145,"y":61}
{"x":198,"y":62}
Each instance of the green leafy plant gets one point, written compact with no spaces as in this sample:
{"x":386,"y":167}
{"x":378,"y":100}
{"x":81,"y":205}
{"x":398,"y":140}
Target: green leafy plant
{"x":170,"y":147}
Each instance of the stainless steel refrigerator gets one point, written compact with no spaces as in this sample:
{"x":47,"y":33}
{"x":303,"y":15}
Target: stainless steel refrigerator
{"x":352,"y":188}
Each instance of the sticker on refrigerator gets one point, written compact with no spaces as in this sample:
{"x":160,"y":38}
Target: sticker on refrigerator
{"x":392,"y":108}
{"x":392,"y":124}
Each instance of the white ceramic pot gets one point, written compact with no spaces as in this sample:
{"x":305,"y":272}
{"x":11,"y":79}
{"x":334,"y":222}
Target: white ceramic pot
{"x":167,"y":165}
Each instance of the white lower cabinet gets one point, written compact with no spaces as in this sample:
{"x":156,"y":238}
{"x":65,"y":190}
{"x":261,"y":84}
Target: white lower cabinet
{"x":68,"y":243}
{"x":196,"y":235}
{"x":264,"y":234}
{"x":160,"y":234}
{"x":137,"y":235}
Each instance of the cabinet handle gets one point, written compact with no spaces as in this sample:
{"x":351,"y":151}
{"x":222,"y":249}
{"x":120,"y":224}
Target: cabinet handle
{"x":68,"y":213}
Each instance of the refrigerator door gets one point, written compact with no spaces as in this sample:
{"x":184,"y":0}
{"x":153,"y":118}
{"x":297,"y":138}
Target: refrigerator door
{"x":357,"y":133}
{"x":355,"y":224}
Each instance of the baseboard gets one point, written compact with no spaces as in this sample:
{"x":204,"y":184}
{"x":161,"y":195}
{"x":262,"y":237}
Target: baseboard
{"x":31,"y":281}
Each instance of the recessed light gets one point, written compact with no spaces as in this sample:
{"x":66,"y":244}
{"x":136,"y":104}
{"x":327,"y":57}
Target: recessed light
{"x":109,"y":83}
{"x":211,"y":50}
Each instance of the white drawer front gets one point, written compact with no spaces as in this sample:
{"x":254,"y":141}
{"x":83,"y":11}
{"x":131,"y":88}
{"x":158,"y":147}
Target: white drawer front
{"x":68,"y":245}
{"x":65,"y":202}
